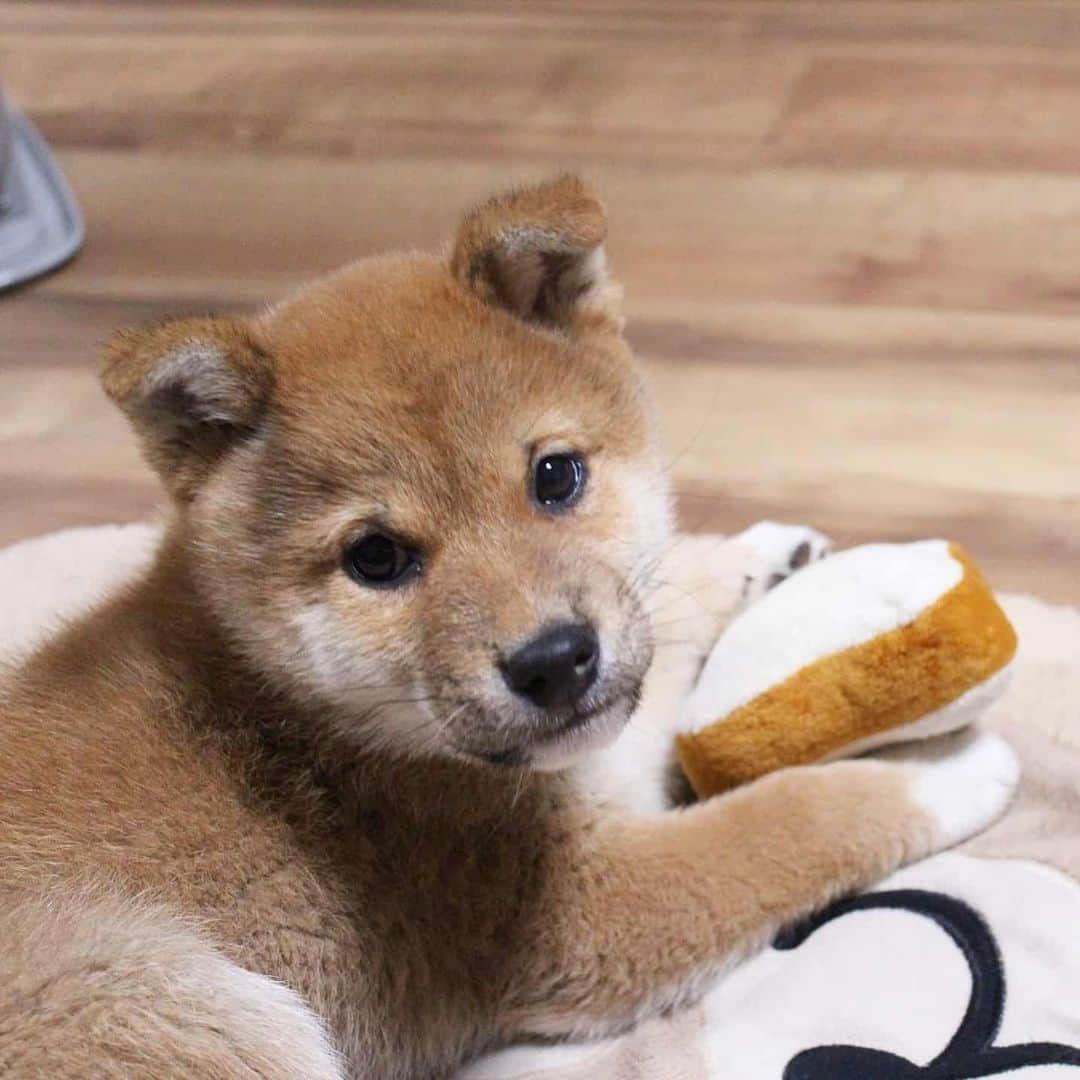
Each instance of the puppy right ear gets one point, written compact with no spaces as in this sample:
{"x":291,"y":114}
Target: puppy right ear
{"x":191,"y":389}
{"x":538,"y":253}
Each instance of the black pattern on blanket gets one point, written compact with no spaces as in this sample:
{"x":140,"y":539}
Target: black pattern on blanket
{"x":970,"y":1052}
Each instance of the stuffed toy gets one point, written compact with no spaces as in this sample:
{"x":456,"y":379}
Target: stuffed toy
{"x":878,"y":644}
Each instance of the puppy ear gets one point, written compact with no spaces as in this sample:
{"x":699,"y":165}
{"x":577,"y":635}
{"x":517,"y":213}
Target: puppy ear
{"x":538,"y":253}
{"x":191,"y":389}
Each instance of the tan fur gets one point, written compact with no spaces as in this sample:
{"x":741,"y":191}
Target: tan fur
{"x":145,"y":995}
{"x":247,"y":765}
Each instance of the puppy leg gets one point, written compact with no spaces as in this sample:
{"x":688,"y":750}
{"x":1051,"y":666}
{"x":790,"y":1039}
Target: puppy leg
{"x":92,"y":987}
{"x":642,"y":913}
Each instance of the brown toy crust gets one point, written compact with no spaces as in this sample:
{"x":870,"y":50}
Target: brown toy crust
{"x":887,"y":682}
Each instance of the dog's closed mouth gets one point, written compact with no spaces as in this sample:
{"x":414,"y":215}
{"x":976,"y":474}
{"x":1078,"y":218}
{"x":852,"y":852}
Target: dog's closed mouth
{"x":579,"y":718}
{"x":518,"y":755}
{"x":577,"y":721}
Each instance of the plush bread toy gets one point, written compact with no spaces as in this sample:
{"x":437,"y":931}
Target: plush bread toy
{"x":879,"y":644}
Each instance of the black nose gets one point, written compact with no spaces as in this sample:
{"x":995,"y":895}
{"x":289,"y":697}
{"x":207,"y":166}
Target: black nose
{"x":556,"y":667}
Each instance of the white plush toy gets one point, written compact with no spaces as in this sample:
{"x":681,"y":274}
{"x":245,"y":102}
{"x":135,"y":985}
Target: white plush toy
{"x":879,"y":644}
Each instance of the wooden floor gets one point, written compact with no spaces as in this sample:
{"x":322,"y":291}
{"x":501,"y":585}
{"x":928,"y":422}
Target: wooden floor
{"x":849,"y":231}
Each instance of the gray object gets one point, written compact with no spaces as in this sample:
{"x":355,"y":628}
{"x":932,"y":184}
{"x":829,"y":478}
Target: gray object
{"x":40,"y":223}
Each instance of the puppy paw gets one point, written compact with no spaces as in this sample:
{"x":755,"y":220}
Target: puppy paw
{"x":963,"y":781}
{"x":780,"y":551}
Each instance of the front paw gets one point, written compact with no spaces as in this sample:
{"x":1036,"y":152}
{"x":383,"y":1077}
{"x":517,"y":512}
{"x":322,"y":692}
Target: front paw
{"x":963,"y":782}
{"x":780,"y":550}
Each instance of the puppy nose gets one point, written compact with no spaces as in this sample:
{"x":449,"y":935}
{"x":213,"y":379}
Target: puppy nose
{"x":556,"y":667}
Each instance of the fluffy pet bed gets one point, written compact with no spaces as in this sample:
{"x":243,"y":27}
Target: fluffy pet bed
{"x":966,"y":965}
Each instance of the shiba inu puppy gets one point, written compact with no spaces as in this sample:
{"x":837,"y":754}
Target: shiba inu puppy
{"x":336,"y":788}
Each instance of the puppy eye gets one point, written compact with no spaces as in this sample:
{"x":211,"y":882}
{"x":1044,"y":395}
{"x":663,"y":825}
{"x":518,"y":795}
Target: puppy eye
{"x":558,"y":480}
{"x":380,"y":561}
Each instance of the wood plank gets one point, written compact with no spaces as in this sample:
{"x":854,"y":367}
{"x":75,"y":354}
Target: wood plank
{"x":955,"y":112}
{"x":1045,"y":25}
{"x":734,"y":98}
{"x":326,"y":96}
{"x":237,"y":227}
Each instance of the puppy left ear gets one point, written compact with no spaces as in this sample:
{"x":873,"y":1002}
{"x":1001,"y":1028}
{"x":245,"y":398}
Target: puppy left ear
{"x":192,"y":389}
{"x":538,"y":253}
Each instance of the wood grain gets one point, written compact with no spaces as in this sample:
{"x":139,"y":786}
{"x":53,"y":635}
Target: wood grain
{"x":849,"y":231}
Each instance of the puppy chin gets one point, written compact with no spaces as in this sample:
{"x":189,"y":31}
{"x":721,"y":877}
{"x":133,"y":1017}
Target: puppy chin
{"x":565,"y":750}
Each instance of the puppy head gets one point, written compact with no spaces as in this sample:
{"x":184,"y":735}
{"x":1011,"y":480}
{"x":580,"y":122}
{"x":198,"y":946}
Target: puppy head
{"x":425,"y":491}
